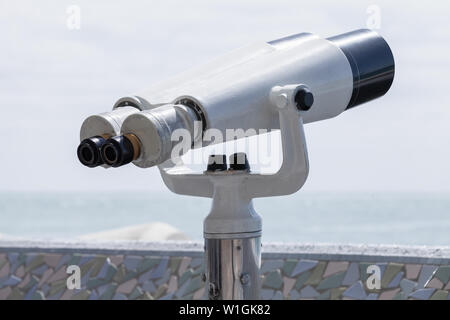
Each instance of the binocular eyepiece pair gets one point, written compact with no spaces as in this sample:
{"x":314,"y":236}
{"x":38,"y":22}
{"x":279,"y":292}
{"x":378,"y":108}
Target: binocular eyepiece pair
{"x":110,"y":151}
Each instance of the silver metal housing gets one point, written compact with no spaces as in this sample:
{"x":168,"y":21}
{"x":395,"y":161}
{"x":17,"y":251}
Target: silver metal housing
{"x":154,"y":129}
{"x":105,"y":124}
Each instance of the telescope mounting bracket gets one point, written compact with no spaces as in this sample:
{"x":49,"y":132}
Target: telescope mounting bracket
{"x":232,"y":230}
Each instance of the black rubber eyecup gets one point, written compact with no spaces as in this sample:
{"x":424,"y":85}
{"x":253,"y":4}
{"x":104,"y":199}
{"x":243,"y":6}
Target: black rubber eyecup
{"x":238,"y":161}
{"x":88,"y":151}
{"x":117,"y":151}
{"x":217,"y":162}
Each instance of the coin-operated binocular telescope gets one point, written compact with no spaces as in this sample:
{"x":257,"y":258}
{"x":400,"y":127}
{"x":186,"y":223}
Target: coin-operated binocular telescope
{"x":281,"y":84}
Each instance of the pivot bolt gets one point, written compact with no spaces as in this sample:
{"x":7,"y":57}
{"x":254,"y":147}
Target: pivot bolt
{"x":238,"y":161}
{"x":304,"y":99}
{"x":245,"y":279}
{"x":217,"y":162}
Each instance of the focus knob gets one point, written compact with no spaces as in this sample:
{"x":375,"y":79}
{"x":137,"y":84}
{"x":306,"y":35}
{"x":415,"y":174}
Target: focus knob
{"x":304,"y":99}
{"x":217,"y":162}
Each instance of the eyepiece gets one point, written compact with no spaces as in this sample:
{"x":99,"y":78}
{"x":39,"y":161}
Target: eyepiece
{"x":89,"y":151}
{"x":120,"y":150}
{"x":371,"y":61}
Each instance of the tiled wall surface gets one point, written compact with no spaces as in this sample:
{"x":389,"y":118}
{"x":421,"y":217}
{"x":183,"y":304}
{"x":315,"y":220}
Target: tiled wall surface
{"x":40,"y":272}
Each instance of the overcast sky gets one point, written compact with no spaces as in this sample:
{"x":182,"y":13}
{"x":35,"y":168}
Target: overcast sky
{"x":51,"y":78}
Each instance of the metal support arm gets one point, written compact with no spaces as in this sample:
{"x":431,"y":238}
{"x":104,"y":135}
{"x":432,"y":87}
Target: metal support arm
{"x":232,"y":230}
{"x":287,"y":180}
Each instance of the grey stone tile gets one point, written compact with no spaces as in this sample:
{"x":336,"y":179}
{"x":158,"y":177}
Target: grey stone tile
{"x":85,"y":259}
{"x":332,"y":281}
{"x":352,"y":274}
{"x":309,"y":292}
{"x":149,"y":286}
{"x":148,"y":263}
{"x":109,"y":293}
{"x":38,"y":295}
{"x":334,"y":267}
{"x":145,"y":276}
{"x":161,"y":269}
{"x":271,"y":265}
{"x":289,"y":266}
{"x":127,"y":287}
{"x":363,"y":270}
{"x":105,"y":271}
{"x":439,"y":295}
{"x":304,"y":265}
{"x":63,"y":261}
{"x":324,"y":296}
{"x":294,"y":295}
{"x":119,"y":296}
{"x":267,"y":294}
{"x":196,"y":262}
{"x":84,"y":278}
{"x":167,"y":296}
{"x":45,"y":288}
{"x":425,"y":275}
{"x":31,"y":292}
{"x":30,"y":257}
{"x":12,"y":257}
{"x":400,"y":296}
{"x":164,"y":279}
{"x":443,"y":274}
{"x":55,"y":296}
{"x":372,"y":296}
{"x":131,"y":262}
{"x":278,"y":296}
{"x":301,"y":280}
{"x":137,"y":292}
{"x":273,"y":280}
{"x":18,"y":261}
{"x":382,"y":266}
{"x":39,"y":271}
{"x":396,"y":280}
{"x":102,"y":289}
{"x":356,"y":291}
{"x":407,"y":286}
{"x":194,"y":285}
{"x":422,"y":294}
{"x":180,"y":292}
{"x":11,"y":281}
{"x":74,"y":259}
{"x":185,"y":276}
{"x":93,"y":296}
{"x":389,"y":294}
{"x":390,"y":272}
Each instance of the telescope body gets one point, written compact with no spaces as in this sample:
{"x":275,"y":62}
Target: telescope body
{"x":233,"y":92}
{"x":281,"y":84}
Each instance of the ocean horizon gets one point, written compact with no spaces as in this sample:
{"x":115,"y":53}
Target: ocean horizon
{"x":306,"y":217}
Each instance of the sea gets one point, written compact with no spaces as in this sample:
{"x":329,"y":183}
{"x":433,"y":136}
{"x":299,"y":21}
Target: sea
{"x":305,"y":217}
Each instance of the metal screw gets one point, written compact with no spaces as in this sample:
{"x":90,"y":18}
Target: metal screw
{"x":304,"y":99}
{"x":213,"y":291}
{"x":245,"y":279}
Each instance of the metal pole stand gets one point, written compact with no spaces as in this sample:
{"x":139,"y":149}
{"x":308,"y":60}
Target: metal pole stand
{"x":232,"y":230}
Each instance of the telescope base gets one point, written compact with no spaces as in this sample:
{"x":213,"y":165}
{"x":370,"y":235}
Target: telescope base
{"x":233,"y":268}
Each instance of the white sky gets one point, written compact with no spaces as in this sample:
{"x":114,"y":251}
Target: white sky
{"x":51,"y":78}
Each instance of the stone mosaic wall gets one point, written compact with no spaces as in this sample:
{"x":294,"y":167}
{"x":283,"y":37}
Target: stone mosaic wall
{"x":40,"y":273}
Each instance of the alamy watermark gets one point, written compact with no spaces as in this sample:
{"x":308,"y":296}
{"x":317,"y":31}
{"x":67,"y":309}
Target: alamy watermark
{"x":374,"y":17}
{"x":373,"y":282}
{"x":73,"y":20}
{"x":74,"y":280}
{"x":264,"y":147}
